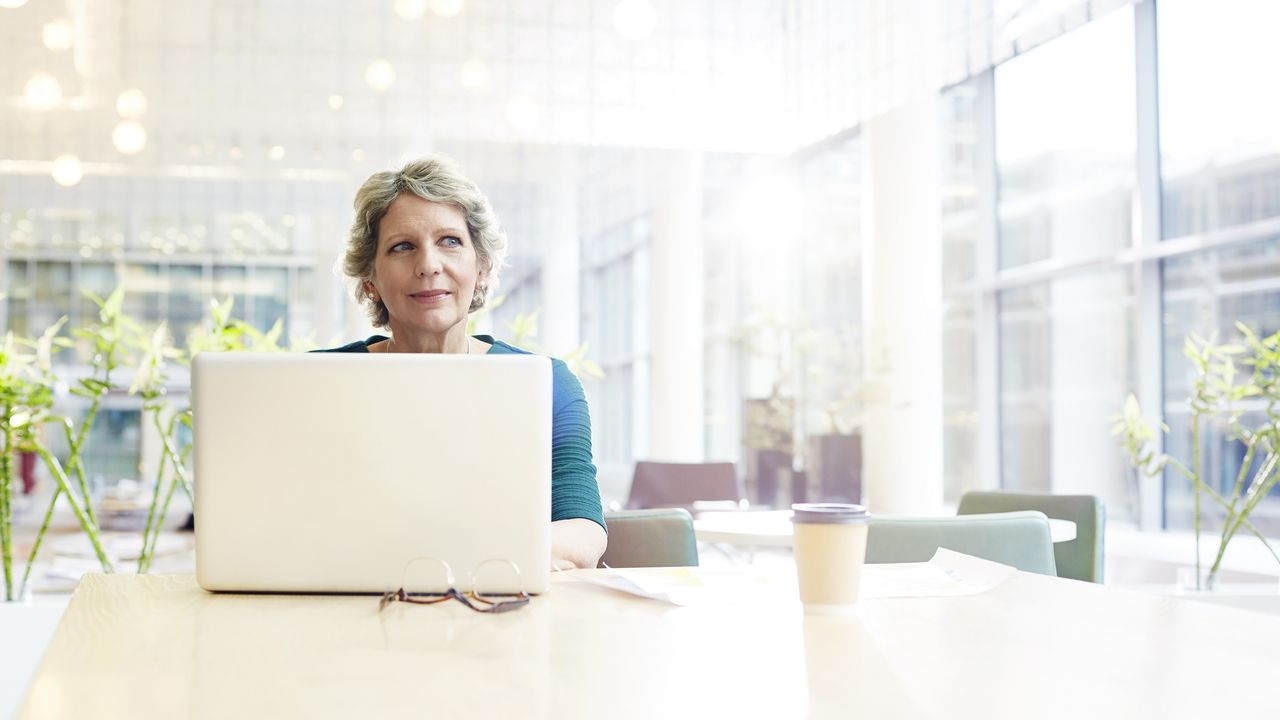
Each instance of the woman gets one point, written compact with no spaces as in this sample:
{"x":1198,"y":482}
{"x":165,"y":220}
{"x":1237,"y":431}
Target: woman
{"x":426,"y":250}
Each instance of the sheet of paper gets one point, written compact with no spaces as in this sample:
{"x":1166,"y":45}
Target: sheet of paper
{"x":690,"y":586}
{"x":948,"y":573}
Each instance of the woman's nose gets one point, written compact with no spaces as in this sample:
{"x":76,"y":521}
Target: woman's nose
{"x":429,"y":262}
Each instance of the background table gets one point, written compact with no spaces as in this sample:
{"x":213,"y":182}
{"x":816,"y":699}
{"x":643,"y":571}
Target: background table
{"x":159,"y":647}
{"x":772,"y":528}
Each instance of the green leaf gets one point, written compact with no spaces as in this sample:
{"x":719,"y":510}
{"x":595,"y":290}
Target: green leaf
{"x":111,"y":308}
{"x":95,"y":298}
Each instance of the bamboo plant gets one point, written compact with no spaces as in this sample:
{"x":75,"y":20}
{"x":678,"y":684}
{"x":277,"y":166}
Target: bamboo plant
{"x":108,"y":342}
{"x":26,"y":393}
{"x":1220,"y":386}
{"x":150,"y":382}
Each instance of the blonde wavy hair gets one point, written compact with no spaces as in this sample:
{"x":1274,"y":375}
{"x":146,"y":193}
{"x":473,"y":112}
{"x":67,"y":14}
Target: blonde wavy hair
{"x":436,"y":178}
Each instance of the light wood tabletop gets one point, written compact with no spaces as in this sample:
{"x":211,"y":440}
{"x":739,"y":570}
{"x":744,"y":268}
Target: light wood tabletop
{"x":1033,"y":647}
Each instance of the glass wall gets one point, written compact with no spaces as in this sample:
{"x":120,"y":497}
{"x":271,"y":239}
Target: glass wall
{"x":1066,"y":127}
{"x":1220,"y":166}
{"x":614,"y":276}
{"x":958,"y":119}
{"x":41,"y":291}
{"x":1065,"y":136}
{"x":1066,"y":363}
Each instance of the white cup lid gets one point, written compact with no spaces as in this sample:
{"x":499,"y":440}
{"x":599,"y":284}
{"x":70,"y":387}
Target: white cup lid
{"x":829,"y":513}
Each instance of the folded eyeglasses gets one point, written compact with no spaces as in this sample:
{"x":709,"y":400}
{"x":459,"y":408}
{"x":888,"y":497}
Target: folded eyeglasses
{"x":471,"y":598}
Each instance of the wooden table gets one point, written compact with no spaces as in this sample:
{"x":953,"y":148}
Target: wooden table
{"x":772,"y":528}
{"x":1035,"y":646}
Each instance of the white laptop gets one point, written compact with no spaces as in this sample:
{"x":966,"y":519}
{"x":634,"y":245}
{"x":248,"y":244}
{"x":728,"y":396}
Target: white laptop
{"x":355,"y":473}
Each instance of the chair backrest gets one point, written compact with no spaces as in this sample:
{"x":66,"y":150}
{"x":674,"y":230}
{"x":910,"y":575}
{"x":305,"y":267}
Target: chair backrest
{"x":1079,"y":559}
{"x":663,"y":484}
{"x":650,"y":538}
{"x":1020,"y":539}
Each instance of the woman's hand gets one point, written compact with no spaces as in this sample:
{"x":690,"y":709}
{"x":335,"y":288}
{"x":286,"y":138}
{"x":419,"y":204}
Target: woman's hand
{"x":576,"y":543}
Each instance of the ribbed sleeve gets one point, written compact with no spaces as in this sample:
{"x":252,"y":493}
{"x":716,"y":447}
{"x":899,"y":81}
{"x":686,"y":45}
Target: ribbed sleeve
{"x":574,"y":491}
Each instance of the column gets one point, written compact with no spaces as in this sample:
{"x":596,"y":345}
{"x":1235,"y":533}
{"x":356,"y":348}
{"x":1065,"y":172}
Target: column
{"x":558,"y":320}
{"x":675,"y":309}
{"x":902,"y":466}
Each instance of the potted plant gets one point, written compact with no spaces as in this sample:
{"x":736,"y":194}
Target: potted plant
{"x":831,"y":397}
{"x":1226,"y":375}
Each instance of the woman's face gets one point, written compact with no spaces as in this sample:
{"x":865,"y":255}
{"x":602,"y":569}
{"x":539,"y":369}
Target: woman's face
{"x":426,"y":268}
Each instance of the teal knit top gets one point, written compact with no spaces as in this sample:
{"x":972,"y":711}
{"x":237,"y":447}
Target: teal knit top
{"x":574,"y":492}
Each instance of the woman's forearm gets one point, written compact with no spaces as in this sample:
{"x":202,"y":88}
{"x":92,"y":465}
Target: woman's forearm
{"x":576,"y":543}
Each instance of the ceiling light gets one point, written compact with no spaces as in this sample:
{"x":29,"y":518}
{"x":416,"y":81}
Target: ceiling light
{"x":634,"y":19}
{"x":58,"y":35}
{"x":380,"y":75}
{"x":357,"y":155}
{"x":131,"y":104}
{"x":475,"y":75}
{"x":42,"y":91}
{"x":234,"y":152}
{"x":129,"y":137}
{"x":12,"y":4}
{"x":67,"y":170}
{"x":276,"y":153}
{"x":446,"y":8}
{"x":336,"y":102}
{"x":411,"y":9}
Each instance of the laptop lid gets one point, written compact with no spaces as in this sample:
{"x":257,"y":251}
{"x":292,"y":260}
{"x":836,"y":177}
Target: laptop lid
{"x":344,"y":472}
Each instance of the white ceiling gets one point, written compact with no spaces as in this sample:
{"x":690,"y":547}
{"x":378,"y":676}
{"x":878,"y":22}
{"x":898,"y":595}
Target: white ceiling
{"x":228,"y":80}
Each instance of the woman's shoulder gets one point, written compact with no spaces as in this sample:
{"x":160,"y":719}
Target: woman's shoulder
{"x":558,"y":366}
{"x":359,"y":346}
{"x":498,"y":347}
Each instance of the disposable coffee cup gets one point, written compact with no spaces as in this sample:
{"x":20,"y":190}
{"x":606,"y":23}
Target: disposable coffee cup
{"x":830,"y":542}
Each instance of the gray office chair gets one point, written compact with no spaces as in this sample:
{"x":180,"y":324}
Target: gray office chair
{"x":650,"y":538}
{"x":1079,"y":559}
{"x":667,"y":485}
{"x":1020,"y":539}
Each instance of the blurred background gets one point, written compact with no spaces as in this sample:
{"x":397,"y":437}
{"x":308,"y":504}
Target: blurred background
{"x":861,"y":248}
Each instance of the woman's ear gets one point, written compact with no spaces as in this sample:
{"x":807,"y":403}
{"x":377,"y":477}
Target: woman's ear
{"x":369,"y":291}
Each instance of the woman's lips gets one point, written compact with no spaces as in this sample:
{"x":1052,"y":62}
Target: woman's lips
{"x":430,"y":297}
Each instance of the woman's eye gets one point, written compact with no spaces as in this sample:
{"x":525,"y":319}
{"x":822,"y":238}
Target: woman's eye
{"x":402,"y":246}
{"x":452,"y":242}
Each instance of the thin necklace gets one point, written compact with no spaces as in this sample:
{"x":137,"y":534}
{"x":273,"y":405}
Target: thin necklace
{"x":391,"y":344}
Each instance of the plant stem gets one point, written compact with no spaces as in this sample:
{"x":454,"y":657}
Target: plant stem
{"x":44,"y":527}
{"x":76,"y":463}
{"x":1245,"y":519}
{"x":89,"y":527}
{"x":168,"y":497}
{"x":1244,"y":470}
{"x":6,"y":489}
{"x":1196,"y":463}
{"x":155,"y":501}
{"x":1262,"y":484}
{"x":1249,"y":526}
{"x":178,"y":467}
{"x":1234,"y":518}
